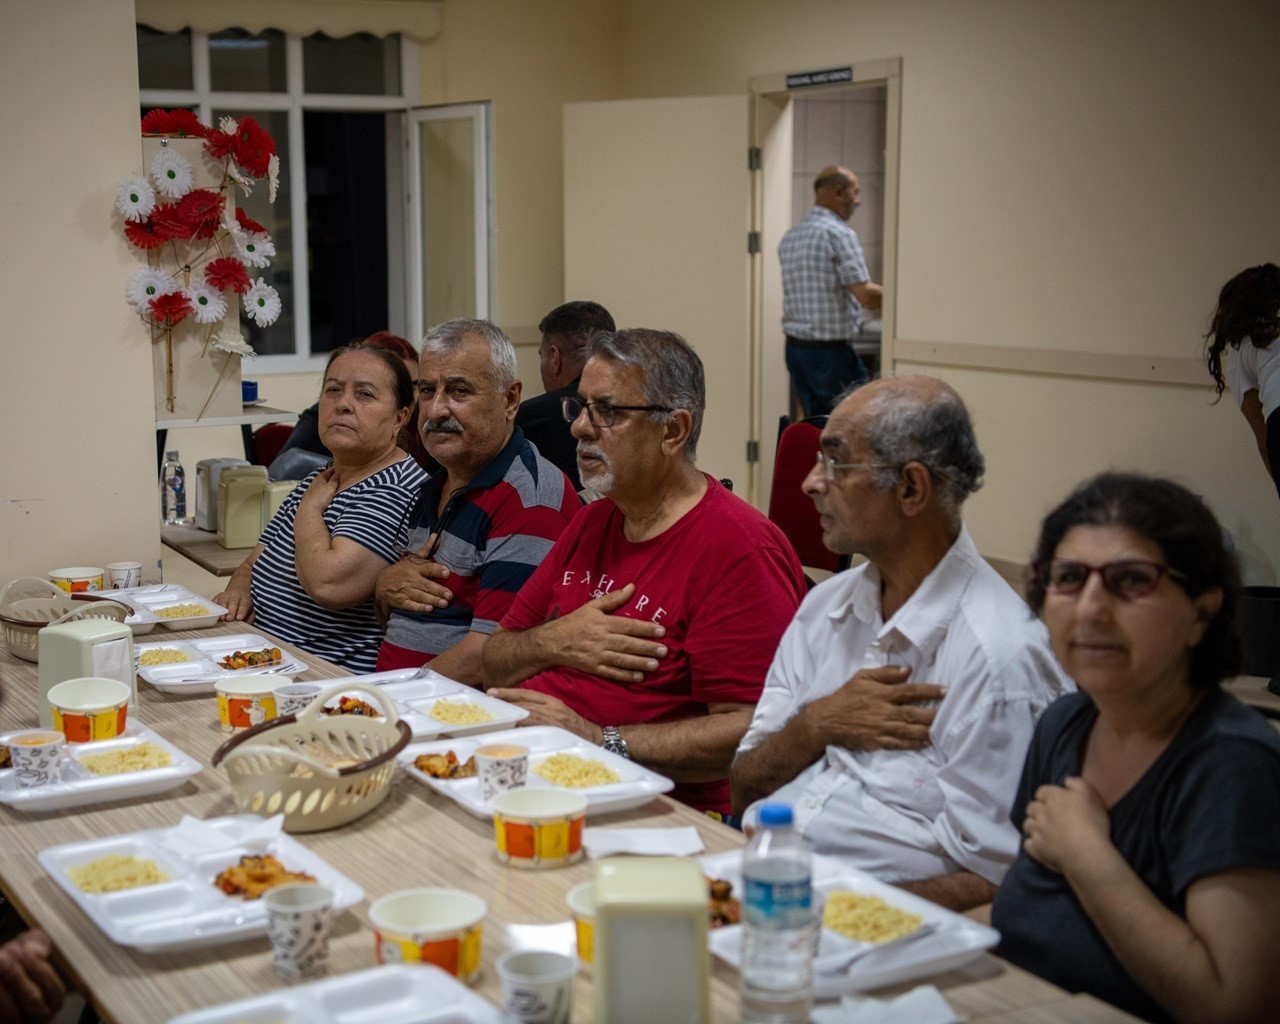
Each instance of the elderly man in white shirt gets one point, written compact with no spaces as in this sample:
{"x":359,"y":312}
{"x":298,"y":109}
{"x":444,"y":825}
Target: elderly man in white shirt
{"x":910,"y":781}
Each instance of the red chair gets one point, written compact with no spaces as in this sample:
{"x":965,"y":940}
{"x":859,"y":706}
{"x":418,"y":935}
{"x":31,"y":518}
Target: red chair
{"x":789,"y":507}
{"x":268,"y":441}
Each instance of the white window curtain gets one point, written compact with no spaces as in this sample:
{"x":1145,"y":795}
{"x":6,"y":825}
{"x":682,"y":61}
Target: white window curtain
{"x":417,"y":19}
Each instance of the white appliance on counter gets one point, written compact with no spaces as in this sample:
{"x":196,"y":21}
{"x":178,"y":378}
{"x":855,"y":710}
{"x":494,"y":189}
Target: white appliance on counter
{"x":207,"y":474}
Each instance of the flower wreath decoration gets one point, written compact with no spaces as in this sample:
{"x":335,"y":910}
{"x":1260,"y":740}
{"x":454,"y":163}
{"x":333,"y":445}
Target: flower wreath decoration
{"x":199,"y":247}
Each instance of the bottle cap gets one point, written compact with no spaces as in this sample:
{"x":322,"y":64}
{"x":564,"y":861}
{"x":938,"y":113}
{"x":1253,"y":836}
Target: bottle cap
{"x":775,"y":814}
{"x":172,"y":455}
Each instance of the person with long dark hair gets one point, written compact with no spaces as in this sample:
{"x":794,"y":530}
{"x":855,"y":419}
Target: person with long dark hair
{"x":1245,"y":325}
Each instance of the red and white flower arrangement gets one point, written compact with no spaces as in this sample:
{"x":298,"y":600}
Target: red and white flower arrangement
{"x":198,"y":250}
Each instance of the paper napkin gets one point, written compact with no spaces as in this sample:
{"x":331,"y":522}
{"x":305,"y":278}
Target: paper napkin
{"x":922,"y":1005}
{"x":648,"y":842}
{"x":192,"y":837}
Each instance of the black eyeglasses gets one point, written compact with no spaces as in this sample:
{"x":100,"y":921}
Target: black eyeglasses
{"x":1127,"y":579}
{"x":603,"y":414}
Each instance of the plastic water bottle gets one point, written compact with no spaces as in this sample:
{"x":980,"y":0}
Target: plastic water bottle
{"x":778,"y":923}
{"x":173,"y":490}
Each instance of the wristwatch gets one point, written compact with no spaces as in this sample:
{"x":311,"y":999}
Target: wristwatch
{"x":614,"y":743}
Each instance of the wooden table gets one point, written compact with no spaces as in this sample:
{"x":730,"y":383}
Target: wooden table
{"x":415,"y":838}
{"x":202,"y":547}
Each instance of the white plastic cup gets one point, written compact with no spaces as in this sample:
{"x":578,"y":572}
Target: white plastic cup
{"x":299,"y":916}
{"x":537,"y":986}
{"x":124,"y":575}
{"x":501,"y":767}
{"x":36,"y":756}
{"x":294,"y":697}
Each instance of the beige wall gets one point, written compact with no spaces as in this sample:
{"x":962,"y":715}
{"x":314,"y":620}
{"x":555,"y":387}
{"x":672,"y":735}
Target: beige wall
{"x":77,"y":470}
{"x":1078,"y":176}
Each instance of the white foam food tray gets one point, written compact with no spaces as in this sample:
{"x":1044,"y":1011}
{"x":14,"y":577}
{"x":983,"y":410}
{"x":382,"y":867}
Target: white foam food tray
{"x":79,"y":787}
{"x":414,"y":699}
{"x":393,"y":994}
{"x":201,"y":672}
{"x":188,"y":911}
{"x":156,"y":597}
{"x":635,"y":787}
{"x":957,"y":941}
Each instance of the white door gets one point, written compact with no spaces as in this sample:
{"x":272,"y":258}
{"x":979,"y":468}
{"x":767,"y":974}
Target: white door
{"x":450,"y":200}
{"x":657,"y":212}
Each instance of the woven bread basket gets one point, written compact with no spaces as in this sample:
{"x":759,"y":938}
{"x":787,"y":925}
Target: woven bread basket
{"x":318,"y":771}
{"x":22,"y":617}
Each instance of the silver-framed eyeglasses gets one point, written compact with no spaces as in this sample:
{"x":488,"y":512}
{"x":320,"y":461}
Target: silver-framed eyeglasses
{"x":1127,"y":578}
{"x":603,"y":414}
{"x":829,"y":466}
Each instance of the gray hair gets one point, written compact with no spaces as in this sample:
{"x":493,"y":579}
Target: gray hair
{"x":930,"y":427}
{"x":448,"y":336}
{"x":670,"y":370}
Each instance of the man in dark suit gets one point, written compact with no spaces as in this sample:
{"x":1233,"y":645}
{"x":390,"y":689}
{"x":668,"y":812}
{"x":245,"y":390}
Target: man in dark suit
{"x":566,"y":332}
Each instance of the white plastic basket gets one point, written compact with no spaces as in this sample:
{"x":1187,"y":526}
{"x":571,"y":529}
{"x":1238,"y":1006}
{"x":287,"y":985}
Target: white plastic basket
{"x":23,"y":617}
{"x":318,"y":771}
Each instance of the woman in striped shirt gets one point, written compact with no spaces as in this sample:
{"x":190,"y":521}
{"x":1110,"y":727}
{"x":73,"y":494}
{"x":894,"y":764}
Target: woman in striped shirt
{"x":311,"y":577}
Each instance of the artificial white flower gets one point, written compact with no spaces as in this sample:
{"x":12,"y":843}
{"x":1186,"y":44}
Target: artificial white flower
{"x":262,"y":303}
{"x":172,"y":173}
{"x":229,"y":339}
{"x":209,"y":305}
{"x":239,"y":177}
{"x":229,"y":125}
{"x":232,"y":226}
{"x":135,"y":198}
{"x":145,"y":284}
{"x":273,"y":177}
{"x":255,"y":248}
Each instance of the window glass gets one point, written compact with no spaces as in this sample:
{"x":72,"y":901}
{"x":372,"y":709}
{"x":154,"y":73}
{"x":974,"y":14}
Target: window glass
{"x":164,"y":59}
{"x":278,"y":338}
{"x":346,"y":225}
{"x":240,"y":61}
{"x":361,"y":64}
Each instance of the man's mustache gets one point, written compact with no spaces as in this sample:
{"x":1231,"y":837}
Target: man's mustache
{"x":442,"y":427}
{"x":592,"y":452}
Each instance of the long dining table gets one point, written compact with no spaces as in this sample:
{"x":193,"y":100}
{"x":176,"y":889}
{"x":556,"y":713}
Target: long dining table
{"x":414,"y":838}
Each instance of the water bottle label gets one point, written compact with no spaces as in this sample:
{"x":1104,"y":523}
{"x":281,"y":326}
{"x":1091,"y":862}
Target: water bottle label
{"x":769,"y":898}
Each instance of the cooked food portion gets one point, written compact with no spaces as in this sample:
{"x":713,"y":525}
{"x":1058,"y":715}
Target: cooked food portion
{"x":162,"y":656}
{"x":866,"y":918}
{"x":5,"y":760}
{"x":116,"y":871}
{"x":457,"y":712}
{"x":575,"y":772}
{"x":182,"y":611}
{"x":130,"y":759}
{"x":445,"y":766}
{"x":252,"y":659}
{"x":352,"y":706}
{"x":255,"y":875}
{"x":725,"y":909}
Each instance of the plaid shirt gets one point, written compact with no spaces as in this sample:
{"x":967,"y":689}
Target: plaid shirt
{"x":821,"y":257}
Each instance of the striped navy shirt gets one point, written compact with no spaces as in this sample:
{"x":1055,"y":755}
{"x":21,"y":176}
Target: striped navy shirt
{"x":369,"y":513}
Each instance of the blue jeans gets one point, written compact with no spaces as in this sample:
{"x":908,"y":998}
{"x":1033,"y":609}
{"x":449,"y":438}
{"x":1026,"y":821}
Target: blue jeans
{"x":822,"y":374}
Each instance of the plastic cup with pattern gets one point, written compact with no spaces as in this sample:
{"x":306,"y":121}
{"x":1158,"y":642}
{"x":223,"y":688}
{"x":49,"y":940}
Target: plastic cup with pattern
{"x":294,"y":697}
{"x":36,"y":756}
{"x":247,"y":700}
{"x":299,"y":916}
{"x":77,"y":579}
{"x":89,"y":709}
{"x":539,"y":827}
{"x":501,"y":767}
{"x":437,"y":926}
{"x":124,"y":575}
{"x":582,"y":904}
{"x":537,"y":986}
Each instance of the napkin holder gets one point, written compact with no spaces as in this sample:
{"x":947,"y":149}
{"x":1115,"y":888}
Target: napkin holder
{"x":90,"y":647}
{"x":240,"y":505}
{"x":651,"y":957}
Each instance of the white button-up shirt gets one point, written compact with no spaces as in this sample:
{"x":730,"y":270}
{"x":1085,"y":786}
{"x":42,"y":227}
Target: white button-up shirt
{"x":909,"y":815}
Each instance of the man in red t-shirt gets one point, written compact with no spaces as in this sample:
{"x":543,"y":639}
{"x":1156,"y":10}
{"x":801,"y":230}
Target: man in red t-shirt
{"x":650,"y":625}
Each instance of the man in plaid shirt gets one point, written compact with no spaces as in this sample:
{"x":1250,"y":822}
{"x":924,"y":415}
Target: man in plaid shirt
{"x":825,"y":287}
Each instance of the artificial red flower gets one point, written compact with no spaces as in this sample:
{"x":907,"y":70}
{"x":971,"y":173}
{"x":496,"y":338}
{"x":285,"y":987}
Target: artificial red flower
{"x":143,"y":234}
{"x":203,"y":208}
{"x":171,"y":221}
{"x":182,"y":123}
{"x":227,"y":272}
{"x":254,"y":147}
{"x":218,"y":143}
{"x":248,"y":223}
{"x":170,"y":310}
